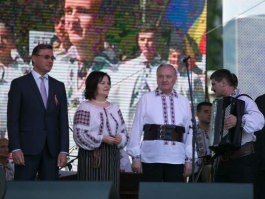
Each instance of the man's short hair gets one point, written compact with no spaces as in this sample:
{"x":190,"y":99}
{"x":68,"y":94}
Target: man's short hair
{"x":39,"y":47}
{"x":201,"y":104}
{"x":221,"y":74}
{"x":147,"y":27}
{"x":166,"y":64}
{"x":108,"y":7}
{"x":9,"y":28}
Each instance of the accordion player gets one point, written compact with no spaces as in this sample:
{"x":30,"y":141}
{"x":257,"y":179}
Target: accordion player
{"x":224,"y":140}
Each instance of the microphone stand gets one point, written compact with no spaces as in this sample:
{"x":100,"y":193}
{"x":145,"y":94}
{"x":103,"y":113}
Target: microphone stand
{"x":194,"y":125}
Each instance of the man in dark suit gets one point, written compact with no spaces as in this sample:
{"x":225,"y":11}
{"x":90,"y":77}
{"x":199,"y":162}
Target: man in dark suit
{"x":37,"y":120}
{"x":260,"y":150}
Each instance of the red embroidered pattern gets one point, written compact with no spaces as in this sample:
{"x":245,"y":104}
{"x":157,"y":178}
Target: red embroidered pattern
{"x":107,"y":122}
{"x":87,"y":135}
{"x":101,"y":124}
{"x":164,"y":105}
{"x":82,"y":117}
{"x":121,"y":117}
{"x":116,"y":122}
{"x":172,"y":110}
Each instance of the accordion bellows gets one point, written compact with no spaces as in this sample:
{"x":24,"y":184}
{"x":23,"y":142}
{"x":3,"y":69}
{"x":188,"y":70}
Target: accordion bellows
{"x":224,"y":140}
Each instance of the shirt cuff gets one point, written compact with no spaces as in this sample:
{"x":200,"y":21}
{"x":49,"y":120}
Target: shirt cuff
{"x":16,"y":150}
{"x":136,"y":158}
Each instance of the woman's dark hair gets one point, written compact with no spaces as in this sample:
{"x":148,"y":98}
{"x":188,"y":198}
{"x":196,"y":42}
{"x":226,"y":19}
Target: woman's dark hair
{"x":221,"y":74}
{"x":92,"y":81}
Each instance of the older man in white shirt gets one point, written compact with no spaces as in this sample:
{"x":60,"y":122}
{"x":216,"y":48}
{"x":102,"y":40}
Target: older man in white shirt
{"x":165,"y":153}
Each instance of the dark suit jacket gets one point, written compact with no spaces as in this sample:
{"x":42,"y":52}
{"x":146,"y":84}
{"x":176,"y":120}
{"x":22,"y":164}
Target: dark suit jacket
{"x":260,"y":142}
{"x":30,"y":125}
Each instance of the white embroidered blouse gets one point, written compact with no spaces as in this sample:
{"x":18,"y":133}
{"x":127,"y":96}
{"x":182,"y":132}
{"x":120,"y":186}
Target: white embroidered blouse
{"x":92,"y":122}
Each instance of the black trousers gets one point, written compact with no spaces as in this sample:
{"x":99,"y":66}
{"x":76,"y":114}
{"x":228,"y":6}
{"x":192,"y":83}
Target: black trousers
{"x":42,"y":167}
{"x":159,"y":172}
{"x":260,"y":185}
{"x":241,"y":170}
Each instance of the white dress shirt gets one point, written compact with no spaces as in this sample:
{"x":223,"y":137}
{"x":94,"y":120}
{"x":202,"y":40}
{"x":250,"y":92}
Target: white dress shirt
{"x":150,"y":111}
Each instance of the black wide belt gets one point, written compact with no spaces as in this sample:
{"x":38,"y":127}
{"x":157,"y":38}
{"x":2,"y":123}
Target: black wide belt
{"x":246,"y":149}
{"x":163,"y":132}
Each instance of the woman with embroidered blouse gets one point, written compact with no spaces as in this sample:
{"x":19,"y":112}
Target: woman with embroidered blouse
{"x":99,"y":131}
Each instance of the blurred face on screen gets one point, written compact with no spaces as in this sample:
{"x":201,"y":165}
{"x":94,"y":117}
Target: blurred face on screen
{"x":146,"y":43}
{"x":59,"y":28}
{"x":83,"y":21}
{"x":5,"y":43}
{"x":174,"y":58}
{"x":166,"y":78}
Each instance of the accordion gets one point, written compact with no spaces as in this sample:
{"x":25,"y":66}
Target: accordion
{"x":224,"y":140}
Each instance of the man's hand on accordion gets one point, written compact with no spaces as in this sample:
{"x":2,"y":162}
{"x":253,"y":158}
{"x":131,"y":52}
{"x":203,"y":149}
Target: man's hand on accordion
{"x":230,"y":121}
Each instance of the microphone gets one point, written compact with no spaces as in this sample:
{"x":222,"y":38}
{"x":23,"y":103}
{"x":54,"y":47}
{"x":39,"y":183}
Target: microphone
{"x":185,"y":59}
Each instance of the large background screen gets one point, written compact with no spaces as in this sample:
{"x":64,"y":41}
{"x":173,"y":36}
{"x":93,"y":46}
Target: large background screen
{"x":243,"y":37}
{"x":126,"y":39}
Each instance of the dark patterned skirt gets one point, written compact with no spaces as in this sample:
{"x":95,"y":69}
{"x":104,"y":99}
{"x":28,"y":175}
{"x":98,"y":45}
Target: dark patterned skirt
{"x":101,"y":164}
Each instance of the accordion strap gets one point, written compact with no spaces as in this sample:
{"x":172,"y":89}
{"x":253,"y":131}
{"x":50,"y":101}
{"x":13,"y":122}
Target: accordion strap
{"x":244,"y":95}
